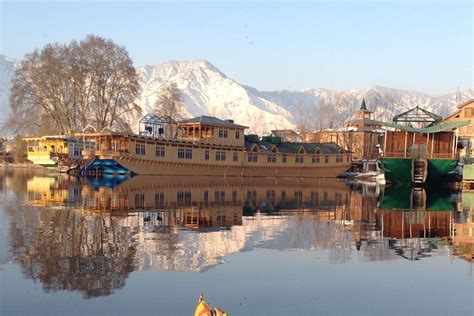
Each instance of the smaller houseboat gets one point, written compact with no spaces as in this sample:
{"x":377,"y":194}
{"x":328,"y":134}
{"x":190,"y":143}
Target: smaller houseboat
{"x":54,"y":151}
{"x":423,"y":154}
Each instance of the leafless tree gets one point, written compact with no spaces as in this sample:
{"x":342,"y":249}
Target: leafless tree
{"x":66,"y":87}
{"x":169,"y":102}
{"x":303,"y":120}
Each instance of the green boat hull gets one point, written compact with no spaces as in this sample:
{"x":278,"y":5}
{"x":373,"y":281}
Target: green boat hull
{"x":400,"y":170}
{"x":397,"y":170}
{"x":439,"y":169}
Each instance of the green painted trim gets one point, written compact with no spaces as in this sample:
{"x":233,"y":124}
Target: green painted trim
{"x":398,"y":170}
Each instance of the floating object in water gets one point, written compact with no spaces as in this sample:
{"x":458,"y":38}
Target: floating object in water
{"x":203,"y":309}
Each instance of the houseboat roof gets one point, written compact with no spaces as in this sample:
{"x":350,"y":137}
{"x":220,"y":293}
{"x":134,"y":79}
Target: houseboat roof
{"x":211,"y":120}
{"x":436,"y":128}
{"x":63,"y":137}
{"x":417,"y":115}
{"x":295,"y":148}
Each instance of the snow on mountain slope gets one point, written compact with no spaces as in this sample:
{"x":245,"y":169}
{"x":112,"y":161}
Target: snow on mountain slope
{"x":207,"y":91}
{"x":7,"y":69}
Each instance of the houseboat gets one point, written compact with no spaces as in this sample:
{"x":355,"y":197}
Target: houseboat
{"x":54,"y":151}
{"x":206,"y":146}
{"x":417,"y":155}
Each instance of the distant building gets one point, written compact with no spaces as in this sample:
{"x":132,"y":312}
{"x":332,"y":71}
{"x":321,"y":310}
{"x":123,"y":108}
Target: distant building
{"x":465,"y":111}
{"x":286,"y":135}
{"x":360,"y":135}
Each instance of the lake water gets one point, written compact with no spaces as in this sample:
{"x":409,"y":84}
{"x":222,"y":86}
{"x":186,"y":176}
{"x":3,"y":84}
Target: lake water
{"x":253,"y":246}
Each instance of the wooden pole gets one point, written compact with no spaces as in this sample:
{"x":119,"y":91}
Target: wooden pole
{"x":427,"y":142}
{"x":454,"y":144}
{"x":432,"y":145}
{"x":406,"y":140}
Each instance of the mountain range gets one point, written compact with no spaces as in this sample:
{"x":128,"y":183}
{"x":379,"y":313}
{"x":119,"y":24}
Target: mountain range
{"x":208,"y":91}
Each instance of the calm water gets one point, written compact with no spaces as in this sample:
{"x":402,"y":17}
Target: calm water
{"x":151,"y":245}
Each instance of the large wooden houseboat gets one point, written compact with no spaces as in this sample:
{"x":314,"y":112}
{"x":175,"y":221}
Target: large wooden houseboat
{"x":206,"y":146}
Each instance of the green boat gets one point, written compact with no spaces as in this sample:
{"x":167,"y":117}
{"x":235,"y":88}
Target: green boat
{"x":419,"y":155}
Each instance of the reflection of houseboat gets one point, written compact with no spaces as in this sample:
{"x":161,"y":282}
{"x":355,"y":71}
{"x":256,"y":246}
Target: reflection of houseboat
{"x":426,"y":153}
{"x":406,"y":212}
{"x":53,"y":151}
{"x":207,"y":146}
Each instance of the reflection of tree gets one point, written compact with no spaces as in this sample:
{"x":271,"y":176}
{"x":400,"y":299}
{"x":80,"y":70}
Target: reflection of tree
{"x":66,"y":250}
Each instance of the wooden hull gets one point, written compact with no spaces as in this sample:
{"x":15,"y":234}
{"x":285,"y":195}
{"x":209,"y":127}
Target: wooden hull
{"x":144,"y":167}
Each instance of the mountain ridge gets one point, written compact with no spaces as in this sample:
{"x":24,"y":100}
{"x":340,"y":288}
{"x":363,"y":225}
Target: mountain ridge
{"x":206,"y":90}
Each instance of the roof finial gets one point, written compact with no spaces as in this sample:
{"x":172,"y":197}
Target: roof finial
{"x":363,"y":106}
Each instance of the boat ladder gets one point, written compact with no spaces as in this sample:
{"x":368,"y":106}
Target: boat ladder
{"x":419,"y":170}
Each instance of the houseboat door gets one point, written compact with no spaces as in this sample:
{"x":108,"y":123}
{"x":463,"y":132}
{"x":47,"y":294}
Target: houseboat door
{"x":417,"y":151}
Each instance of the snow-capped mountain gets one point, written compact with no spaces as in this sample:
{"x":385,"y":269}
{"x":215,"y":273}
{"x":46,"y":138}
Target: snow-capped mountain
{"x":208,"y":91}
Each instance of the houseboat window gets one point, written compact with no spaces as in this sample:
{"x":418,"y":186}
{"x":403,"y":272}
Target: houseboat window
{"x":299,"y":159}
{"x":185,"y":153}
{"x":183,"y":198}
{"x":252,"y":158}
{"x":139,"y":200}
{"x":326,"y":159}
{"x":189,"y":153}
{"x":160,"y":151}
{"x":299,"y":196}
{"x":271,"y":196}
{"x":206,"y":155}
{"x":223,"y":133}
{"x":139,"y":149}
{"x":77,"y":151}
{"x":252,"y":196}
{"x":283,"y":158}
{"x":271,"y":158}
{"x":219,"y":197}
{"x":234,"y":198}
{"x":236,"y":156}
{"x":159,"y":199}
{"x":315,"y":197}
{"x":220,"y":155}
{"x":315,"y":159}
{"x":237,"y":134}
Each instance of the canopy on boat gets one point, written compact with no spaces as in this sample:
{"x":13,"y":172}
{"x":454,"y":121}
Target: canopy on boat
{"x":425,"y":130}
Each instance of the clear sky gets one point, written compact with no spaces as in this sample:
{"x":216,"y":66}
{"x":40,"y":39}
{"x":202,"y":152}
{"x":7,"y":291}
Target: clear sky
{"x":426,"y":46}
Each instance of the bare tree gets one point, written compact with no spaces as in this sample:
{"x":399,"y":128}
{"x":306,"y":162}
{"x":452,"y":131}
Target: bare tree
{"x":169,"y":102}
{"x":113,"y":81}
{"x":303,"y":120}
{"x":73,"y":85}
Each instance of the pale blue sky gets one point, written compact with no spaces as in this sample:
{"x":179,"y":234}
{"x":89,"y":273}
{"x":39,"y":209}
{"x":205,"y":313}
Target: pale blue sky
{"x":426,"y":46}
